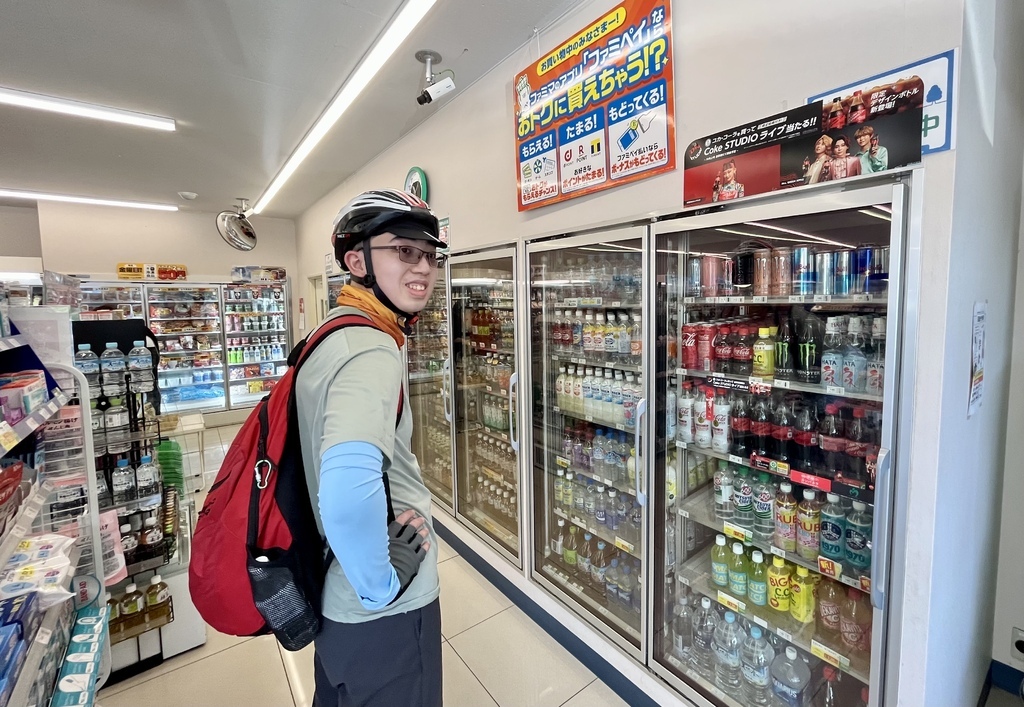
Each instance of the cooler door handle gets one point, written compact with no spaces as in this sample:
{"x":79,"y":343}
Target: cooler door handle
{"x":880,"y":531}
{"x":641,"y":412}
{"x":513,"y":382}
{"x":446,"y":379}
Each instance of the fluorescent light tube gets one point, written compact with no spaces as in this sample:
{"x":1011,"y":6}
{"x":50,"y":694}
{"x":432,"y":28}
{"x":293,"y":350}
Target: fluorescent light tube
{"x":38,"y":101}
{"x":408,"y":17}
{"x":875,"y":214}
{"x":37,"y":196}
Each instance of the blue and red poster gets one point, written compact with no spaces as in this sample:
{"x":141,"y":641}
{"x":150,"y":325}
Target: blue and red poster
{"x":598,"y":110}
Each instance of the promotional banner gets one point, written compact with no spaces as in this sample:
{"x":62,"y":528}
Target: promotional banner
{"x":862,"y":134}
{"x":148,"y":271}
{"x":598,"y":110}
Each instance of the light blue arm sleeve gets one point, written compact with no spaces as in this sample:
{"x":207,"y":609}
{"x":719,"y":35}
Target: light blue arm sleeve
{"x":354,"y":511}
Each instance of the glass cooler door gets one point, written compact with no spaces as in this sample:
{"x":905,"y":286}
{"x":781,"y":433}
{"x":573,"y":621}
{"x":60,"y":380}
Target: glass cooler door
{"x":587,"y":349}
{"x":256,"y":324}
{"x":773,"y":432}
{"x":485,"y":380}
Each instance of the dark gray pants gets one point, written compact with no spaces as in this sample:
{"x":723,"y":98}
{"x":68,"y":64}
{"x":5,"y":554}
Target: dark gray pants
{"x":394,"y":661}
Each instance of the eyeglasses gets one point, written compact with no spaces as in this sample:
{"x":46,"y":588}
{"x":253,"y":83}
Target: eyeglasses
{"x":412,"y":256}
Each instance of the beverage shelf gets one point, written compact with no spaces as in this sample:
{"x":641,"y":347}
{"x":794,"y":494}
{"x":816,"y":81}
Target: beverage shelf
{"x":256,"y":363}
{"x":627,"y":487}
{"x":191,"y":352}
{"x":182,"y":318}
{"x":766,"y":384}
{"x":198,"y":404}
{"x":494,"y":434}
{"x":594,"y":303}
{"x":481,"y":518}
{"x":685,"y":669}
{"x":558,"y":572}
{"x":496,"y":476}
{"x":879,"y":300}
{"x":192,"y":332}
{"x":423,"y":377}
{"x":697,"y":507}
{"x":596,"y":361}
{"x":776,"y":468}
{"x":11,"y":437}
{"x":694,"y":572}
{"x":186,"y":369}
{"x":438,"y":488}
{"x":478,"y":348}
{"x":596,"y":419}
{"x":600,"y":532}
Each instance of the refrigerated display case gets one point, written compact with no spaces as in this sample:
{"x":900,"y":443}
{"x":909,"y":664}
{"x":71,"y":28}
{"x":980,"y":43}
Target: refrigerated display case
{"x":485,"y":381}
{"x":126,"y":297}
{"x":186,"y":321}
{"x":774,"y":424}
{"x":256,"y":326}
{"x":427,"y":350}
{"x":587,"y":356}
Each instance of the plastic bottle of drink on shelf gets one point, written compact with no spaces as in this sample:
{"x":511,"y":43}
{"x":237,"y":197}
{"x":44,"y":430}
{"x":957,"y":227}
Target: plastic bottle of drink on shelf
{"x":569,"y":549}
{"x":626,"y":585}
{"x":577,"y":333}
{"x":558,"y":541}
{"x":875,"y":384}
{"x":703,"y":417}
{"x":723,"y":490}
{"x":801,"y":596}
{"x":833,"y":529}
{"x":855,"y":623}
{"x":858,"y":536}
{"x":738,"y":571}
{"x":828,"y":694}
{"x":832,"y":459}
{"x":757,"y":580}
{"x":778,"y":585}
{"x":588,"y":333}
{"x":568,"y":492}
{"x":671,"y":410}
{"x":123,"y":483}
{"x":682,"y":629}
{"x":808,"y":530}
{"x":720,"y":562}
{"x":855,"y":360}
{"x":764,"y":355}
{"x":612,"y":577}
{"x":559,"y":488}
{"x":790,"y":679}
{"x":606,"y":382}
{"x":760,"y":428}
{"x":804,"y":445}
{"x":739,"y":425}
{"x":601,"y":506}
{"x":743,"y":498}
{"x":579,"y":497}
{"x":723,"y":350}
{"x":112,"y":360}
{"x":782,"y":434}
{"x":830,"y":602}
{"x":622,"y":516}
{"x":728,"y":644}
{"x":147,"y":477}
{"x":140,"y":363}
{"x":636,"y":341}
{"x":858,"y":441}
{"x":832,"y":355}
{"x":584,"y":556}
{"x":577,"y":391}
{"x":88,"y":363}
{"x":702,"y":656}
{"x":590,"y":499}
{"x":670,"y":543}
{"x":764,"y":508}
{"x":743,"y":353}
{"x":629,"y":400}
{"x":612,"y":506}
{"x":785,"y":518}
{"x":618,"y":413}
{"x":560,"y":388}
{"x":566,"y":443}
{"x":597,"y":456}
{"x":631,"y":468}
{"x":684,"y":426}
{"x":589,"y":406}
{"x":611,"y":337}
{"x":599,"y":566}
{"x":622,"y":460}
{"x":720,"y":422}
{"x":757,"y":656}
{"x":622,"y":337}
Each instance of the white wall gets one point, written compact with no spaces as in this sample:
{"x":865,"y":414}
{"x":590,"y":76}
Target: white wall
{"x":19,"y":232}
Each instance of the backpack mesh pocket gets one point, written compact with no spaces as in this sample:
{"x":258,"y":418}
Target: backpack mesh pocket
{"x":280,"y":601}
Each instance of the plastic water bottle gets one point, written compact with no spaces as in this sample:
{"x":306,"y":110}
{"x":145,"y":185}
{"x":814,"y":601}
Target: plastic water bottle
{"x":704,"y":624}
{"x":670,"y":411}
{"x":764,"y":508}
{"x":88,"y":363}
{"x":743,"y":499}
{"x":728,"y":644}
{"x":611,"y":582}
{"x":147,"y":477}
{"x":858,"y":536}
{"x":597,"y":455}
{"x":682,"y":629}
{"x":790,"y":678}
{"x":116,"y":424}
{"x":140,"y":363}
{"x":113,"y":366}
{"x":601,"y":507}
{"x":123,"y":482}
{"x":613,"y":510}
{"x":723,"y":488}
{"x":833,"y":529}
{"x":625,"y":587}
{"x":757,"y":656}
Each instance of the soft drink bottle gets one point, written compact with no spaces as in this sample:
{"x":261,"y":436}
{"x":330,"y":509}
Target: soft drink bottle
{"x":705,"y":622}
{"x":624,"y":586}
{"x":855,"y":360}
{"x":764,"y":354}
{"x":597,"y":341}
{"x":560,"y":388}
{"x":760,"y":428}
{"x":785,"y":518}
{"x":598,"y":567}
{"x":764,"y":508}
{"x":636,"y":341}
{"x":604,"y":394}
{"x":743,"y":498}
{"x":782,"y":434}
{"x":588,"y":333}
{"x":723,"y":489}
{"x":858,"y":442}
{"x":757,"y":656}
{"x":623,"y":329}
{"x":805,"y":442}
{"x":801,"y":596}
{"x":577,"y":391}
{"x":833,"y":529}
{"x":577,"y":332}
{"x":828,"y":696}
{"x":720,"y":563}
{"x":720,"y":422}
{"x":723,"y":351}
{"x":757,"y":580}
{"x":876,"y":362}
{"x":778,"y":585}
{"x":855,"y":623}
{"x":743,"y":353}
{"x":684,"y":428}
{"x":630,"y":395}
{"x":790,"y":679}
{"x":832,"y":356}
{"x":555,"y":334}
{"x":601,"y":507}
{"x":704,"y":415}
{"x":569,"y":548}
{"x":588,"y":393}
{"x":830,"y":602}
{"x":558,"y":541}
{"x":738,"y":571}
{"x":808,"y":529}
{"x":728,"y":645}
{"x":682,"y":629}
{"x":584,"y":555}
{"x":568,"y":492}
{"x":858,"y":536}
{"x":832,"y":442}
{"x":784,"y":350}
{"x":739,"y":425}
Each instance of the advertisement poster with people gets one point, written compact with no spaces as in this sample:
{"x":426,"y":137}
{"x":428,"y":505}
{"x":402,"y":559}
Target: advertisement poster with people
{"x":598,"y":110}
{"x":865,"y":132}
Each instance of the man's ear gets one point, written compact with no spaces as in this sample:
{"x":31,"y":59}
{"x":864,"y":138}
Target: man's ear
{"x":354,"y":261}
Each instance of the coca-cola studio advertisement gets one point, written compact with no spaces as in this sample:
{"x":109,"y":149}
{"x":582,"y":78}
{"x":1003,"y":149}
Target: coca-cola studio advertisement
{"x":863,"y":133}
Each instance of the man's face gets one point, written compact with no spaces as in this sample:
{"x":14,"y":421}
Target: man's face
{"x":864,"y":140}
{"x":841,"y":148}
{"x":820,"y":147}
{"x":407,"y":285}
{"x":729,"y":173}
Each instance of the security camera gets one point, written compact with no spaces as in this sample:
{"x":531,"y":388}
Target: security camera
{"x":436,"y":90}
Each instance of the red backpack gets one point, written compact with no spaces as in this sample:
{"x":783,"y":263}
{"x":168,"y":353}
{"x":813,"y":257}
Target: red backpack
{"x":258,"y":560}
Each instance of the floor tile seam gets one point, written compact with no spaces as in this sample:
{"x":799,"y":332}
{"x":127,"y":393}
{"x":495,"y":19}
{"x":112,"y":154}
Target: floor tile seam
{"x":287,"y":676}
{"x":478,"y":623}
{"x":573,"y":696}
{"x":475,"y":676}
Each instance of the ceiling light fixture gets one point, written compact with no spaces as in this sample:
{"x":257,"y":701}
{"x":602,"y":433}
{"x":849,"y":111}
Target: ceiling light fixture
{"x":67,"y":198}
{"x":795,"y":233}
{"x":408,"y":17}
{"x":875,"y":214}
{"x":39,"y":101}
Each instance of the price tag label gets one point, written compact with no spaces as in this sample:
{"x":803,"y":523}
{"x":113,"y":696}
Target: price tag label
{"x":684,"y":513}
{"x":731,"y":602}
{"x":829,"y":656}
{"x":796,"y":298}
{"x":32,"y":423}
{"x":759,"y":299}
{"x":494,"y":347}
{"x":588,"y":418}
{"x":862,"y":298}
{"x":736,"y":300}
{"x":736,"y":459}
{"x":30,"y":513}
{"x":780,"y":383}
{"x":623,"y":545}
{"x":822,"y":298}
{"x":759,"y":621}
{"x":755,"y":380}
{"x":688,"y":300}
{"x":43,"y":636}
{"x":784,"y":634}
{"x":865,"y":584}
{"x":682,"y":372}
{"x":779,"y":551}
{"x":18,"y":531}
{"x":850,"y":581}
{"x":607,"y":482}
{"x":684,"y":580}
{"x":488,"y":389}
{"x":829,"y":568}
{"x":680,"y":445}
{"x":735,"y":531}
{"x":835,"y":390}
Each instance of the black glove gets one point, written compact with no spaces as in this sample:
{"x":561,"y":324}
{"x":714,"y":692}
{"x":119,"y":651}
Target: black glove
{"x":405,"y":547}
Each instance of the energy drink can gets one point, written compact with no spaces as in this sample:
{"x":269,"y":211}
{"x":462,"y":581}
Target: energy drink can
{"x":744,"y":271}
{"x":863,"y":263}
{"x":803,"y":270}
{"x":844,"y":273}
{"x":825,"y":265}
{"x":878,"y":279}
{"x":726,"y":270}
{"x":762,"y":272}
{"x":693,"y":288}
{"x":782,"y":272}
{"x":709,"y":275}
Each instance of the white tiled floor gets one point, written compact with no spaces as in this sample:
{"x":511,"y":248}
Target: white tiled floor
{"x":494,"y":655}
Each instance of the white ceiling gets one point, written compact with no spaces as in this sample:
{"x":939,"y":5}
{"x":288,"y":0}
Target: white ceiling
{"x":245,"y":79}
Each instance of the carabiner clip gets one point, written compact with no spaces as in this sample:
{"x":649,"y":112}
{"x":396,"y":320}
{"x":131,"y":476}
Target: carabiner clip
{"x":261,"y":480}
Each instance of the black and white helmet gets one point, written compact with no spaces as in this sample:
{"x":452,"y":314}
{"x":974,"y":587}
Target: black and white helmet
{"x":380,"y":211}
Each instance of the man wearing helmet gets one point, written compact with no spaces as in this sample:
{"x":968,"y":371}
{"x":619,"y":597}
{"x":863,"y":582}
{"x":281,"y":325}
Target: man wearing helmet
{"x":380,"y":644}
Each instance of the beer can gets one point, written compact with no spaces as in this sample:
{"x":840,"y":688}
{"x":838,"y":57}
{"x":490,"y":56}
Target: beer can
{"x":743,"y":275}
{"x":762,"y":272}
{"x":782,"y":271}
{"x":844,"y":273}
{"x":863,"y":261}
{"x":709,"y":267}
{"x":878,"y":279}
{"x":825,"y":265}
{"x":693,"y":288}
{"x":803,"y":270}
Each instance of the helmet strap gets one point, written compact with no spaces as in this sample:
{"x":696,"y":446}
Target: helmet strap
{"x":369,"y":281}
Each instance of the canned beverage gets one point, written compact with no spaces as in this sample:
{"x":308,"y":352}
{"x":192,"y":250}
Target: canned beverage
{"x":762,"y":272}
{"x":725,"y":277}
{"x":843,"y":273}
{"x":710,"y":266}
{"x":782,"y":271}
{"x":693,"y":288}
{"x":743,"y":275}
{"x":705,"y":350}
{"x":824,"y":265}
{"x":878,"y":279}
{"x":689,"y":351}
{"x":863,"y":264}
{"x":803,"y":270}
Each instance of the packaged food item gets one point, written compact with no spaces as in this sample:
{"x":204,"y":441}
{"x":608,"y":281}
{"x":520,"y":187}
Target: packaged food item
{"x":9,"y":637}
{"x":41,"y":550}
{"x":23,"y":613}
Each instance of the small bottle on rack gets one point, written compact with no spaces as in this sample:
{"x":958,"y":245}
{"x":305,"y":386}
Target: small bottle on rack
{"x":151,"y":537}
{"x":158,"y":594}
{"x":123,"y":483}
{"x":132,"y":605}
{"x":147,"y":477}
{"x":129,"y":543}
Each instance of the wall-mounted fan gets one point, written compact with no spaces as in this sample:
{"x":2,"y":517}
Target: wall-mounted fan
{"x":234,"y":227}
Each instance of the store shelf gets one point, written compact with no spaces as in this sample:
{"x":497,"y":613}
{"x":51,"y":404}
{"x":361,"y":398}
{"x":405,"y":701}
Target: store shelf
{"x":701,"y":682}
{"x":424,"y":377}
{"x":21,"y":523}
{"x":608,"y":483}
{"x":597,"y":420}
{"x":698,"y":508}
{"x":191,"y":352}
{"x":255,"y":378}
{"x":149,"y":623}
{"x":11,"y":437}
{"x":255,"y":332}
{"x":880,"y":300}
{"x":558,"y":573}
{"x":600,"y":532}
{"x":12,"y":342}
{"x":490,"y":349}
{"x":769,"y":383}
{"x":187,"y":369}
{"x":594,"y":303}
{"x":182,"y":318}
{"x":775,"y":468}
{"x":694,"y":572}
{"x":597,"y":362}
{"x":256,"y":363}
{"x":496,"y":477}
{"x":494,"y":434}
{"x":251,"y":314}
{"x":192,"y":385}
{"x":185,"y":333}
{"x":502,"y":534}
